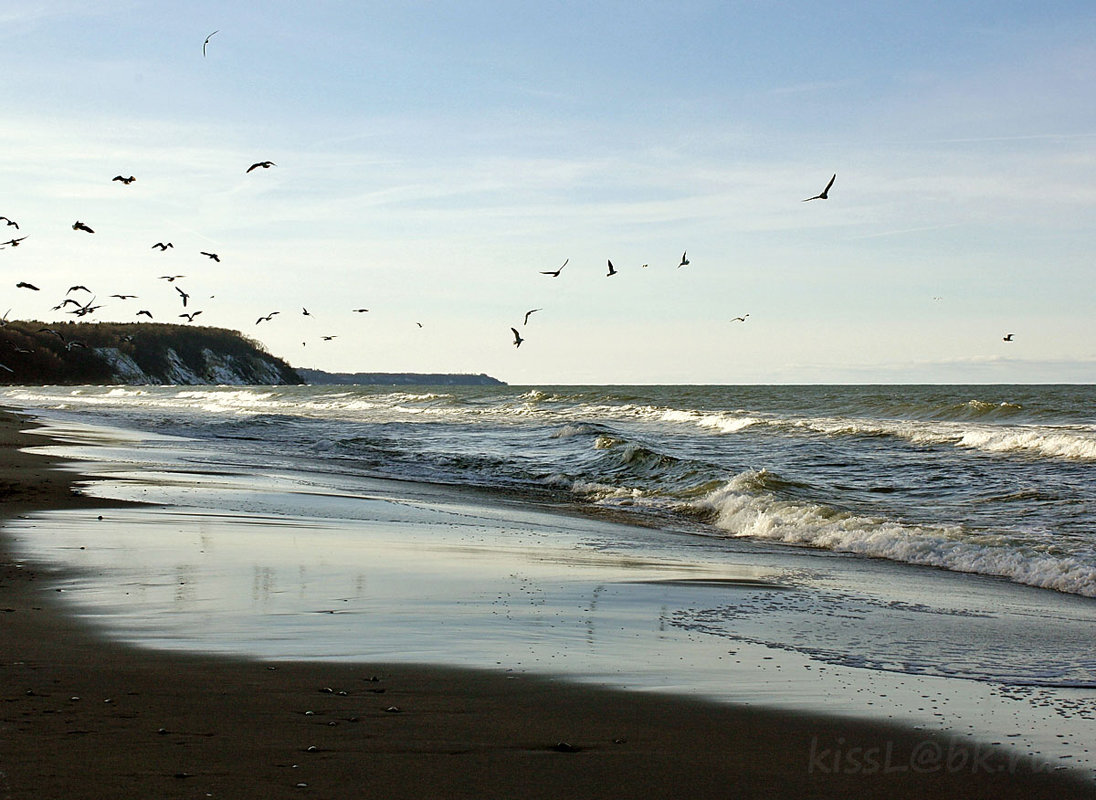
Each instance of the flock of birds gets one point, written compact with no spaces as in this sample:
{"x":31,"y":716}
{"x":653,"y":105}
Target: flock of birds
{"x":89,"y":306}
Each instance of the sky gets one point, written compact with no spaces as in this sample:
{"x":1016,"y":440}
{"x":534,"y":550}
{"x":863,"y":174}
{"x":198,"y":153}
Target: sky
{"x":432,"y":159}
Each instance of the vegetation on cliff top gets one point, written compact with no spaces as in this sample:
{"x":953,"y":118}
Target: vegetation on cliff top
{"x":66,"y":352}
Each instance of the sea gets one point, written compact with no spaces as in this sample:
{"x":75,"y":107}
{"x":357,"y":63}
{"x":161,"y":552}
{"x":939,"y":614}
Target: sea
{"x":996,"y":480}
{"x":924,"y":555}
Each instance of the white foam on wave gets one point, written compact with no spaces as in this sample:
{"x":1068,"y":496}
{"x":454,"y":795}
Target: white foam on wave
{"x":740,"y":511}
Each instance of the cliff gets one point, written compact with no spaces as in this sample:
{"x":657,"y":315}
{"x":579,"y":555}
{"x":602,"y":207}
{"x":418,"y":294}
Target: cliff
{"x":134,"y":353}
{"x":318,"y":377}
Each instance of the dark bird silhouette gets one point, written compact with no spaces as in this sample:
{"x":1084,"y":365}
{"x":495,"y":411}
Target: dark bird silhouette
{"x":328,"y":338}
{"x":419,"y":324}
{"x":65,"y":302}
{"x":1007,"y":338}
{"x":190,"y":317}
{"x":214,"y":256}
{"x":825,"y":195}
{"x":126,"y":181}
{"x":162,"y":246}
{"x":4,"y":319}
{"x":183,"y":295}
{"x":517,"y":338}
{"x":51,"y":330}
{"x":684,"y":260}
{"x":79,"y":226}
{"x":10,"y":222}
{"x":75,"y":343}
{"x":527,"y":313}
{"x":612,"y":270}
{"x":360,"y":310}
{"x":77,"y":289}
{"x":555,"y":273}
{"x":740,"y":319}
{"x":207,"y":41}
{"x":13,"y":242}
{"x":171,"y":278}
{"x":25,"y":285}
{"x":263,"y":164}
{"x":267,"y":318}
{"x":144,"y":313}
{"x":304,"y":312}
{"x":124,"y":296}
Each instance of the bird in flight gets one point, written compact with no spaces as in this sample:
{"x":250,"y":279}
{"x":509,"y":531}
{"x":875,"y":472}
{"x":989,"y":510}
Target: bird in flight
{"x":190,"y":317}
{"x":10,"y":222}
{"x":207,"y":42}
{"x":555,"y":272}
{"x":25,"y":285}
{"x":263,"y":164}
{"x":79,"y":226}
{"x":124,"y":296}
{"x":182,"y":294}
{"x":77,"y":289}
{"x":684,"y":260}
{"x":740,"y":319}
{"x":328,"y":338}
{"x":145,"y":313}
{"x":1007,"y":338}
{"x":267,"y":318}
{"x":527,"y":313}
{"x":825,"y":195}
{"x":13,"y":242}
{"x":517,"y":338}
{"x":305,"y":312}
{"x":171,"y":278}
{"x":214,"y":256}
{"x":360,"y":310}
{"x":163,"y":247}
{"x":126,"y":181}
{"x":612,"y":270}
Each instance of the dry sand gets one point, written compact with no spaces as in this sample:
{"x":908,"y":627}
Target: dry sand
{"x":82,"y":717}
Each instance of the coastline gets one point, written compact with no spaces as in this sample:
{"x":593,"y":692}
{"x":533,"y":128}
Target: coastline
{"x":149,"y":723}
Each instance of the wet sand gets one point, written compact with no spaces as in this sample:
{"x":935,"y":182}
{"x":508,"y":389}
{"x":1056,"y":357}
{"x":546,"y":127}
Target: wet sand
{"x":85,"y":717}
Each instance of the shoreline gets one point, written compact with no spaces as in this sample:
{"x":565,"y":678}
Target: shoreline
{"x":84,"y":716}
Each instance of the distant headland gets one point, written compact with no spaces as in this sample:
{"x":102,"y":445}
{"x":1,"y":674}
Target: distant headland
{"x":320,"y":378}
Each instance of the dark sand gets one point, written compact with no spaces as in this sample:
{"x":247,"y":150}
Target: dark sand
{"x":82,"y":717}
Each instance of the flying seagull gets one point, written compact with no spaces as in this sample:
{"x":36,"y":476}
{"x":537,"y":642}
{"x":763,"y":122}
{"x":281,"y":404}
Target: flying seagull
{"x":171,"y":278}
{"x":182,"y":294}
{"x":612,"y":270}
{"x":263,"y":164}
{"x":527,"y":313}
{"x":145,"y":313}
{"x":124,"y":296}
{"x":267,"y":318}
{"x":77,"y":289}
{"x":517,"y":338}
{"x":360,"y":310}
{"x":214,"y":256}
{"x":163,"y":246}
{"x":126,"y":181}
{"x":1007,"y":338}
{"x":207,"y":42}
{"x":10,"y":222}
{"x":13,"y":242}
{"x":25,"y":285}
{"x":825,"y":195}
{"x":555,"y":273}
{"x":328,"y":338}
{"x":79,"y":226}
{"x":740,"y":319}
{"x":190,"y":317}
{"x":684,"y":260}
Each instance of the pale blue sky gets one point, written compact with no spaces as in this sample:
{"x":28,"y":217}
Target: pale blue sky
{"x":434,"y":157}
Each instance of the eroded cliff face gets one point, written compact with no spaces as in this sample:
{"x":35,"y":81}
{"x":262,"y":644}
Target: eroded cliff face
{"x":135,"y":354}
{"x":212,"y":368}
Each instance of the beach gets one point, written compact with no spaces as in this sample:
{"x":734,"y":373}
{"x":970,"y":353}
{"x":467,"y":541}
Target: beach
{"x":85,"y":715}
